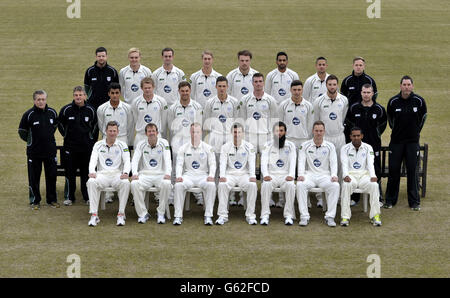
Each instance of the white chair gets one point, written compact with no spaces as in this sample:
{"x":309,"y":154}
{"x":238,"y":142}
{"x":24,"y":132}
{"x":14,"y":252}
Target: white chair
{"x":102,"y":196}
{"x":324,"y":199}
{"x":156,"y":189}
{"x":365,"y":198}
{"x":187,"y":203}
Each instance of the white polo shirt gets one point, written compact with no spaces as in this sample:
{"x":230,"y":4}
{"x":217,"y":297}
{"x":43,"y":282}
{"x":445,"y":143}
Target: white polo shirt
{"x":203,"y":87}
{"x":332,"y":113}
{"x":219,"y":116}
{"x":150,"y":160}
{"x":315,"y":160}
{"x":278,"y":161}
{"x":299,"y":118}
{"x":154,"y":111}
{"x":259,"y":114}
{"x":130,"y":82}
{"x":278,"y":84}
{"x":314,"y":87}
{"x":199,"y":160}
{"x":240,"y":85}
{"x":110,"y":160}
{"x":122,"y":115}
{"x":166,"y":83}
{"x":180,"y":118}
{"x":237,"y":161}
{"x":357,"y":161}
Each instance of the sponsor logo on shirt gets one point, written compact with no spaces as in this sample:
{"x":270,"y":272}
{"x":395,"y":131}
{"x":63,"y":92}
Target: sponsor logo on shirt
{"x":295,"y":121}
{"x":195,"y":165}
{"x":356,"y":165}
{"x":237,"y":165}
{"x":333,"y":116}
{"x":282,"y":92}
{"x":153,"y":163}
{"x":134,"y":88}
{"x":147,"y":118}
{"x":167,"y":89}
{"x":256,"y":115}
{"x":280,"y":163}
{"x":317,"y":163}
{"x":185,"y":123}
{"x":222,"y":118}
{"x":108,"y":162}
{"x":244,"y":90}
{"x":206,"y":92}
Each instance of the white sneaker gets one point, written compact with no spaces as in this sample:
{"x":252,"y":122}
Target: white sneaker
{"x":264,"y":221}
{"x":200,"y":201}
{"x":67,"y":202}
{"x":353,"y":203}
{"x":288,"y":221}
{"x":241,"y":202}
{"x":199,"y":197}
{"x":251,"y":221}
{"x":303,"y":222}
{"x":271,"y":203}
{"x":143,"y":219}
{"x":177,"y":221}
{"x":221,"y":220}
{"x":330,"y":221}
{"x":279,"y":204}
{"x":232,"y":199}
{"x":320,"y":203}
{"x":87,"y":202}
{"x":120,"y":219}
{"x":309,"y":203}
{"x":170,"y":200}
{"x":94,"y":220}
{"x":208,"y":221}
{"x":156,"y":197}
{"x":381,"y":204}
{"x":109,"y":197}
{"x":161,"y":219}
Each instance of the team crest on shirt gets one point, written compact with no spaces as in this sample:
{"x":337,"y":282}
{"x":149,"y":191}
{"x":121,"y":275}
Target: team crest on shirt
{"x":295,"y":121}
{"x":282,"y":92}
{"x":415,"y":109}
{"x":222,"y":118}
{"x":206,"y":92}
{"x":237,"y":165}
{"x":356,"y":165}
{"x":202,"y":155}
{"x":167,"y":89}
{"x":185,"y":123}
{"x":333,"y":116}
{"x":108,"y":79}
{"x":147,"y":118}
{"x":134,"y":88}
{"x":317,"y":163}
{"x":195,"y":164}
{"x":374,"y":116}
{"x":153,"y":163}
{"x":51,"y":121}
{"x":256,"y":115}
{"x":108,"y":162}
{"x":86,"y":119}
{"x":244,"y":90}
{"x":280,"y":163}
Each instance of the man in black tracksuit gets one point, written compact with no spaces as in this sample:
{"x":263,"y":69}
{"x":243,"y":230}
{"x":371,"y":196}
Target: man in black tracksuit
{"x":37,"y":128}
{"x":352,"y":85}
{"x":371,"y":117}
{"x":97,"y":79}
{"x":77,"y":121}
{"x":406,"y":112}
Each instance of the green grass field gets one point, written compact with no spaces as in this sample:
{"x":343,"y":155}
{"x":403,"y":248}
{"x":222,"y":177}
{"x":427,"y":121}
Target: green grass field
{"x":43,"y":48}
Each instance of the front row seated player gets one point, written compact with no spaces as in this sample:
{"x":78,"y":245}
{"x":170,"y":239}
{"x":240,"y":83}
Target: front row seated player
{"x":151,"y":167}
{"x":195,"y":167}
{"x":357,"y":159}
{"x":109,"y":167}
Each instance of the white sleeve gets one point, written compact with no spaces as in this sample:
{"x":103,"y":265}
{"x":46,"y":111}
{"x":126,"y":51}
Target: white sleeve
{"x":126,"y":160}
{"x":370,"y":161}
{"x":164,"y":111}
{"x":301,"y":160}
{"x":310,"y":121}
{"x":94,"y":159}
{"x":211,"y":162}
{"x":252,"y":161}
{"x":101,"y":120}
{"x":130,"y":126}
{"x":292,"y":161}
{"x":264,"y":161}
{"x":222,"y":162}
{"x":333,"y":161}
{"x":122,"y":80}
{"x":307,"y":90}
{"x":344,"y":161}
{"x":268,"y":84}
{"x":179,"y":163}
{"x":167,"y":160}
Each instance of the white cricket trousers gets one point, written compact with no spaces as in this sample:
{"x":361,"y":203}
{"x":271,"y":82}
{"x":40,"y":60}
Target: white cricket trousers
{"x":242,"y":181}
{"x":338,"y":142}
{"x":96,"y":185}
{"x":189,"y":181}
{"x":323,"y":181}
{"x":139,"y":188}
{"x":288,"y":187}
{"x":361,"y":181}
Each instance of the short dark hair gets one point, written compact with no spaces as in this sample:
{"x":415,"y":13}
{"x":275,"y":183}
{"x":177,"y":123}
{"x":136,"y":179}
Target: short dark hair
{"x":319,"y":122}
{"x":100,"y":49}
{"x":367,"y":85}
{"x":406,"y":78}
{"x":258,"y":75}
{"x":167,"y":50}
{"x":332,"y":77}
{"x":245,"y":53}
{"x":321,"y":58}
{"x":237,"y":125}
{"x":355,"y":128}
{"x":184,"y":84}
{"x":221,"y":79}
{"x":151,"y":125}
{"x":79,"y":89}
{"x":359,"y":58}
{"x":279,"y":124}
{"x":39,"y":92}
{"x":112,"y":123}
{"x":282,"y":54}
{"x":114,"y":85}
{"x":296,"y":83}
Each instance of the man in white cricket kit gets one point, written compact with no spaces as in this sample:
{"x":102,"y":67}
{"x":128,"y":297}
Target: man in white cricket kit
{"x":358,"y":170}
{"x":240,"y":78}
{"x":298,"y":115}
{"x":278,"y":170}
{"x":237,"y":168}
{"x":180,"y":116}
{"x":149,"y":108}
{"x":151,"y":166}
{"x":315,"y":85}
{"x":317,"y":167}
{"x":130,"y":76}
{"x":119,"y":111}
{"x":278,"y":81}
{"x":109,"y":167}
{"x":196,"y":165}
{"x":203,"y":82}
{"x":167,"y":78}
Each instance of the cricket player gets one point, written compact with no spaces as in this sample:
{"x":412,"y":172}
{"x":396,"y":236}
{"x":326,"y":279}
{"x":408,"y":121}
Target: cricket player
{"x":298,"y":114}
{"x":317,"y":167}
{"x":203,"y":82}
{"x":119,"y":111}
{"x":149,"y":108}
{"x":357,"y":159}
{"x":109,"y":166}
{"x":167,"y":78}
{"x":151,"y":167}
{"x":237,"y":168}
{"x":130,"y":76}
{"x":180,"y":116}
{"x":240,"y":79}
{"x":278,"y":81}
{"x":196,"y":165}
{"x":278,"y":170}
{"x":315,"y":85}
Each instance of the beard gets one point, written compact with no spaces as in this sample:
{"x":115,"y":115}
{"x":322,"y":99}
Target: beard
{"x":279,"y":141}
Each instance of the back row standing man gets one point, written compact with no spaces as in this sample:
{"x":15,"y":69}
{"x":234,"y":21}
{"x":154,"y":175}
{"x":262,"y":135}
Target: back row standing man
{"x":315,"y":85}
{"x":203,"y":82}
{"x":278,"y":81}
